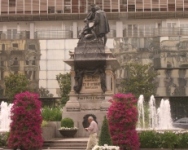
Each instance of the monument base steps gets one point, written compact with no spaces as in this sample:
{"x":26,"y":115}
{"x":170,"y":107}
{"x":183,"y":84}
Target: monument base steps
{"x":66,"y":144}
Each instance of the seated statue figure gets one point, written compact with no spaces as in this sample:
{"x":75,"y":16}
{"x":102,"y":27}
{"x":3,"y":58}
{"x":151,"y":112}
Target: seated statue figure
{"x":88,"y":32}
{"x":96,"y":26}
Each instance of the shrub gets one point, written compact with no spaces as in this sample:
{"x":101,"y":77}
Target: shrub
{"x":51,"y":114}
{"x":25,"y":128}
{"x":4,"y":138}
{"x":104,"y":137}
{"x":167,"y":139}
{"x":182,"y":141}
{"x":149,"y":139}
{"x":67,"y":122}
{"x":122,"y":117}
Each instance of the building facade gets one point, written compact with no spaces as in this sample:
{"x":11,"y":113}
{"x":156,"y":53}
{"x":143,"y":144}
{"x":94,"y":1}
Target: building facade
{"x":154,"y":30}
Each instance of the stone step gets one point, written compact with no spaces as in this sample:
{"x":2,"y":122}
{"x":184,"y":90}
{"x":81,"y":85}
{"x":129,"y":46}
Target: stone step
{"x":66,"y":144}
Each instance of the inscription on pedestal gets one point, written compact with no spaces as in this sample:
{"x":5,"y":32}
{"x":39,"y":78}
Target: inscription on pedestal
{"x":91,"y":84}
{"x":91,"y":98}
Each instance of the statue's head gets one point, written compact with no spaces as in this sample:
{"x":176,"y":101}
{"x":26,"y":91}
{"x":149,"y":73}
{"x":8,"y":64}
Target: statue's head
{"x":93,"y":7}
{"x":97,"y":7}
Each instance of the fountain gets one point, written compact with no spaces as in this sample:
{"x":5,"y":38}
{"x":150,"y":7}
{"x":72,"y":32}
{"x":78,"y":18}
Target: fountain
{"x":141,"y":115}
{"x":152,"y":113}
{"x":158,"y":118}
{"x":5,"y":116}
{"x":164,"y":115}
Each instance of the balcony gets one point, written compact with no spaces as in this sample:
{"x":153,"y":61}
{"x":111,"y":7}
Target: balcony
{"x":53,"y":34}
{"x":153,"y":32}
{"x":14,"y":35}
{"x":112,"y":33}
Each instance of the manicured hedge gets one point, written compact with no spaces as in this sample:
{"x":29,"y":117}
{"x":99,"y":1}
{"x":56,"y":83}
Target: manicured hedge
{"x":163,"y":139}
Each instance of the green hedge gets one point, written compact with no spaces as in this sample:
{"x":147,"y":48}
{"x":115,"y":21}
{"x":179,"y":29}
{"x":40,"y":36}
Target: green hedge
{"x":67,"y":122}
{"x":3,"y":139}
{"x":51,"y":114}
{"x":166,"y":139}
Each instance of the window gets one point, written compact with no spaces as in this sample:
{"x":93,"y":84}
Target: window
{"x":3,"y":47}
{"x":15,"y":45}
{"x":131,"y":5}
{"x":51,"y":9}
{"x":155,"y":5}
{"x":12,"y":3}
{"x":139,"y":5}
{"x":32,"y":47}
{"x":123,"y":5}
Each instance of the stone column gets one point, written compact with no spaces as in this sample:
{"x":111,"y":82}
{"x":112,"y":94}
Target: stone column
{"x":32,"y":30}
{"x":4,"y":28}
{"x":18,"y":27}
{"x":75,"y":30}
{"x":72,"y":80}
{"x":119,"y":29}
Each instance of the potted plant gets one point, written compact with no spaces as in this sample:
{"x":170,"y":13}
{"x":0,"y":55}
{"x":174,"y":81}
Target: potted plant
{"x":67,"y":128}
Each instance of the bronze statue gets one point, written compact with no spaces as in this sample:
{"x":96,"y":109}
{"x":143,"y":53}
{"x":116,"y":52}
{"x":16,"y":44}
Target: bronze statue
{"x":101,"y":25}
{"x":96,"y":25}
{"x":79,"y":79}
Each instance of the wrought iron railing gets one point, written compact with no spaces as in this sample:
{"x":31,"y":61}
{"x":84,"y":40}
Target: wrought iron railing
{"x":14,"y":35}
{"x":152,"y":32}
{"x":112,"y":33}
{"x":53,"y":34}
{"x":46,"y":101}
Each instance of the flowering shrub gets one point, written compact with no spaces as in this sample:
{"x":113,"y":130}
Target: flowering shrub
{"x":25,"y":128}
{"x":122,"y":118}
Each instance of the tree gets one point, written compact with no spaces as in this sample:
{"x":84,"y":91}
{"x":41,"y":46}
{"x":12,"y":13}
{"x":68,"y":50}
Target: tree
{"x":140,"y":80}
{"x":43,"y":92}
{"x":104,"y":137}
{"x":15,"y":83}
{"x":64,"y":81}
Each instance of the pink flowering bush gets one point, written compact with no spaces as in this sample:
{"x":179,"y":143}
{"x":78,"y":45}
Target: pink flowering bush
{"x":25,"y":128}
{"x":122,"y":119}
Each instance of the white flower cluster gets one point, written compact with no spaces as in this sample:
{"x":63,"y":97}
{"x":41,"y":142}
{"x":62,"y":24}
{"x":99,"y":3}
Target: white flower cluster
{"x":65,"y":128}
{"x":105,"y":147}
{"x":176,"y":132}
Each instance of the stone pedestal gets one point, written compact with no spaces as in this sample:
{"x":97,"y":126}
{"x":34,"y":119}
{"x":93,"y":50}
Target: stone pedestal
{"x":97,"y":66}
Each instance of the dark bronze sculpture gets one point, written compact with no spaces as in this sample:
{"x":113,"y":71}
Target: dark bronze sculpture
{"x":96,"y":25}
{"x":89,"y":56}
{"x":101,"y":25}
{"x":79,"y":79}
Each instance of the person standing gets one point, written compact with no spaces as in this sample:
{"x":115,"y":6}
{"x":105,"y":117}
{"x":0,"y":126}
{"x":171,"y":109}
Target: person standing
{"x":92,"y":129}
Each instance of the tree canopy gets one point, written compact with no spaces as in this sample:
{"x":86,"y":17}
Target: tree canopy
{"x":14,"y":84}
{"x":140,"y":80}
{"x":64,"y":81}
